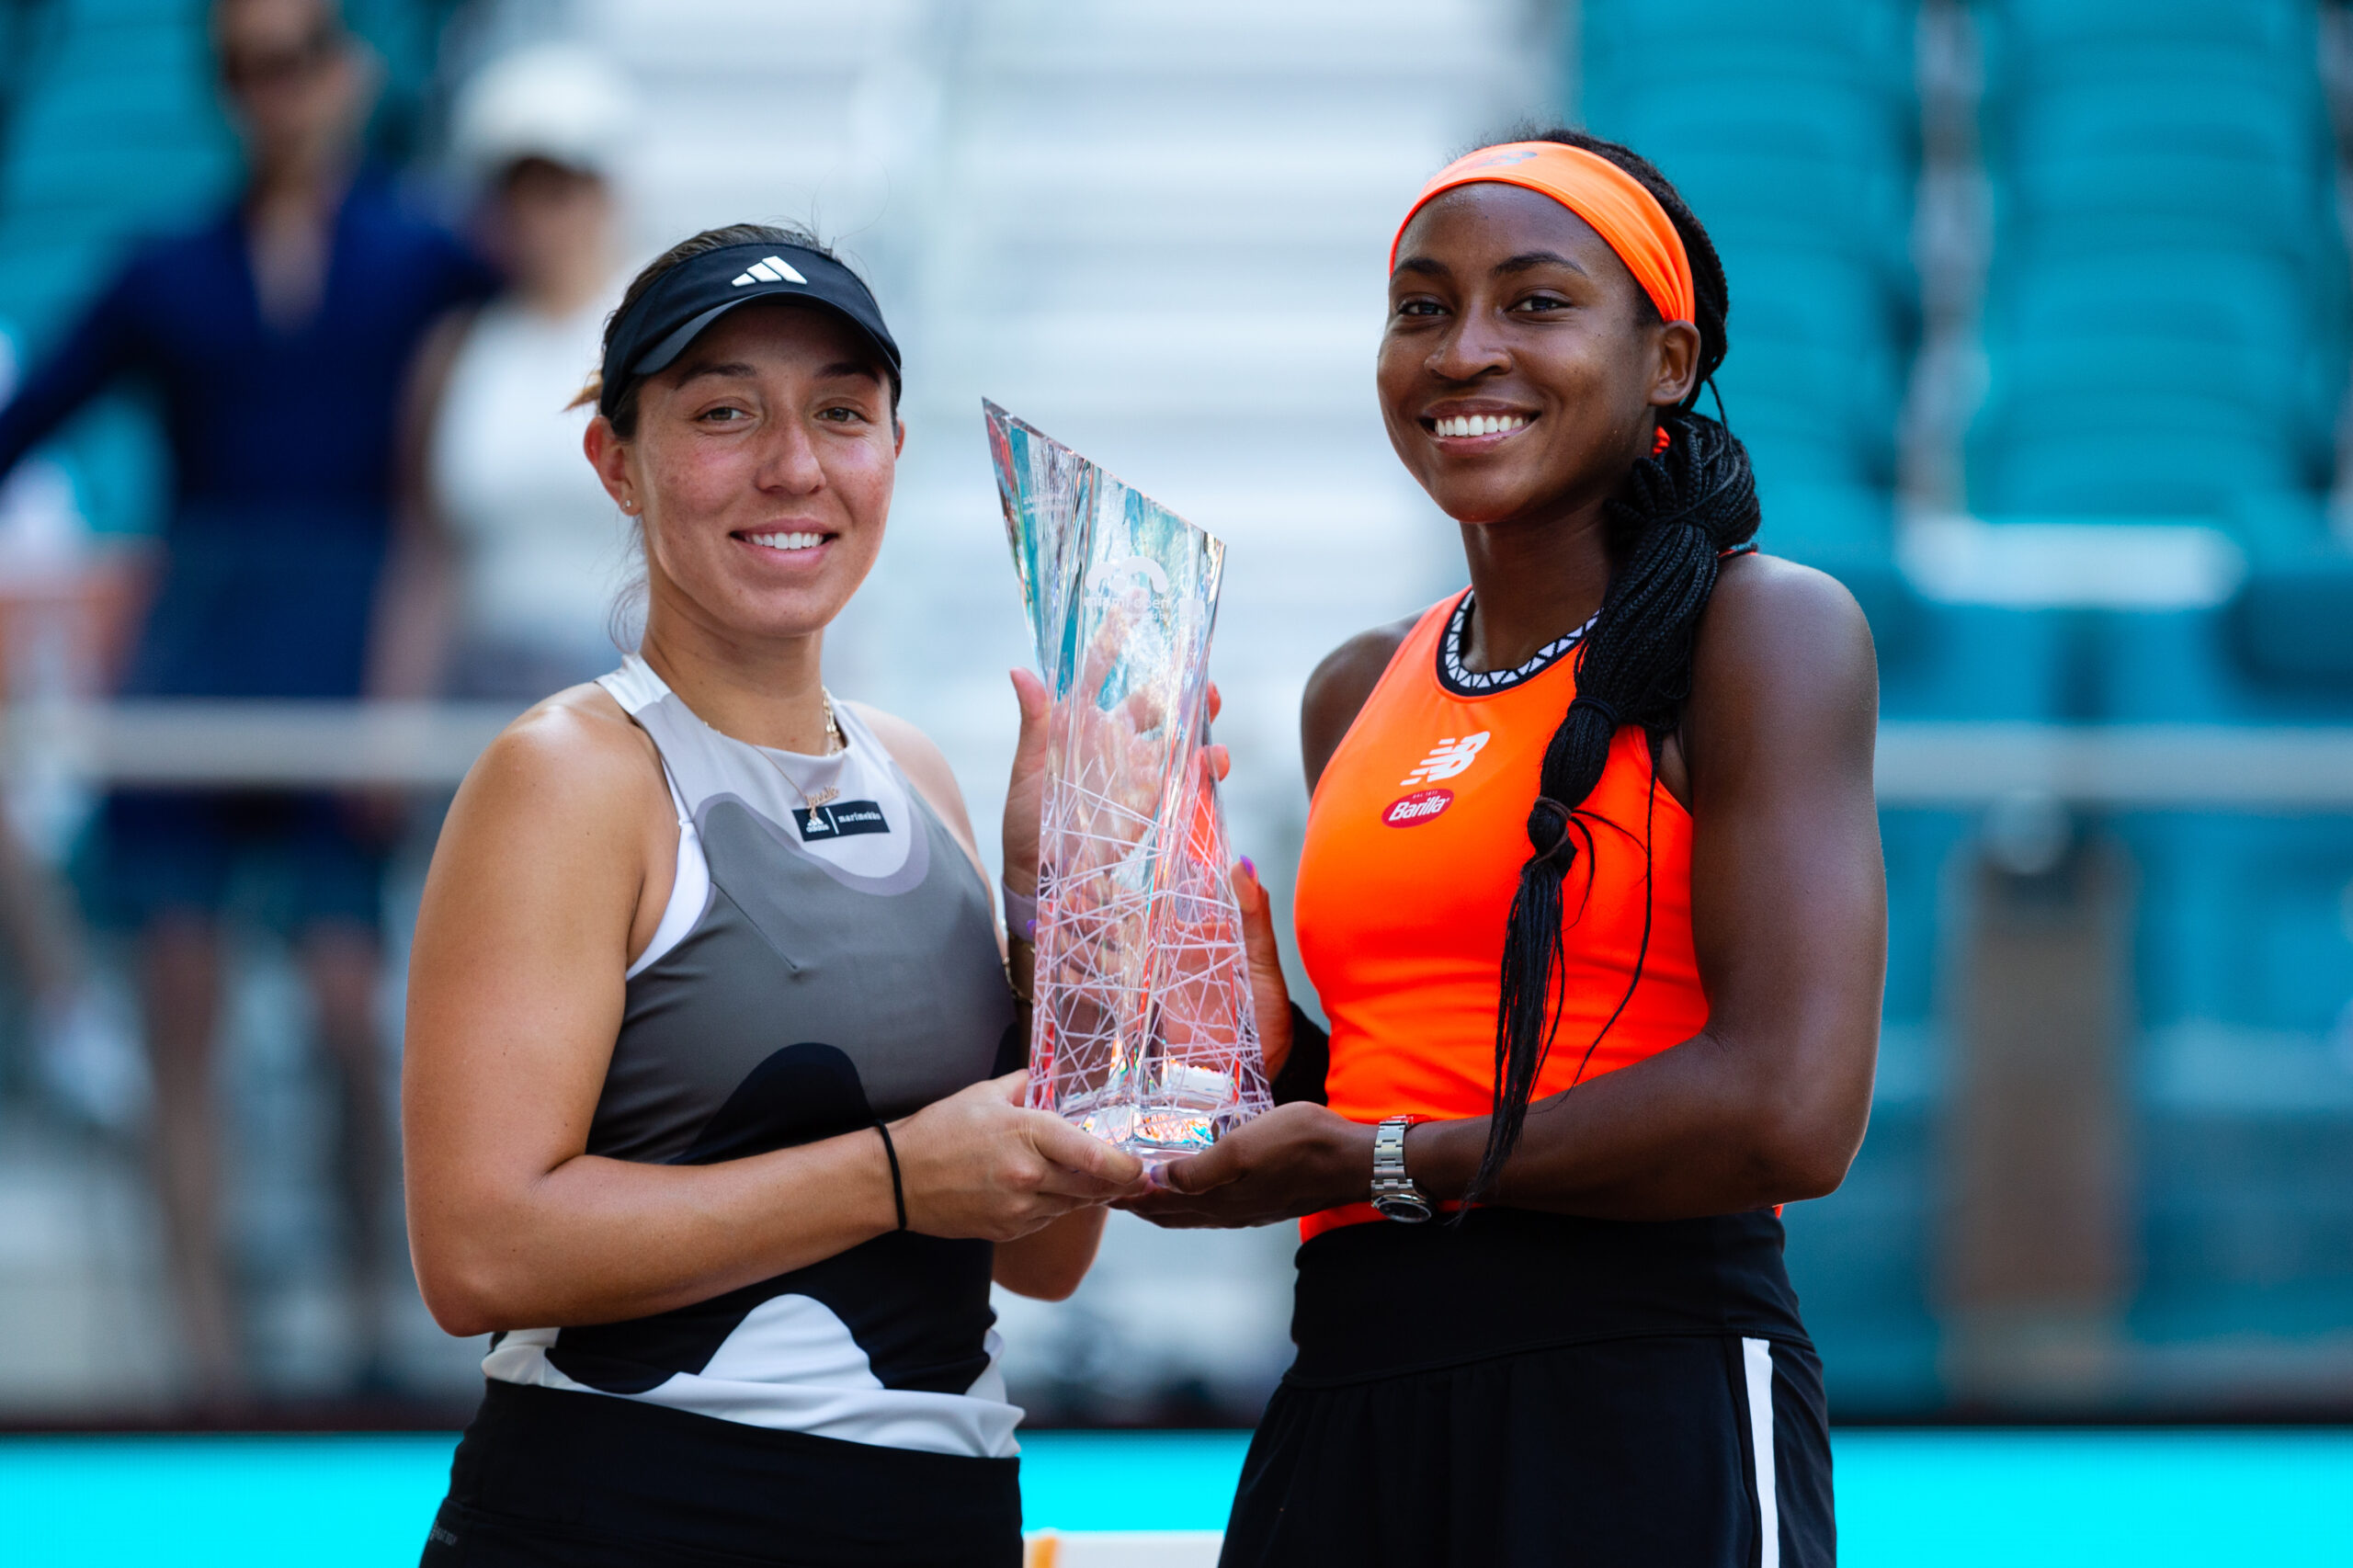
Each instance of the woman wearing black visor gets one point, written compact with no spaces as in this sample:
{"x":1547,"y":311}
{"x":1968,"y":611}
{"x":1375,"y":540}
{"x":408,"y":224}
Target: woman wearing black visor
{"x":712,"y":1110}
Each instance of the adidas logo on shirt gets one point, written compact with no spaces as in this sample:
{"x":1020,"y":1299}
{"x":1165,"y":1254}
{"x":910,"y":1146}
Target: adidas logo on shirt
{"x":770,"y":269}
{"x":1446,"y":759}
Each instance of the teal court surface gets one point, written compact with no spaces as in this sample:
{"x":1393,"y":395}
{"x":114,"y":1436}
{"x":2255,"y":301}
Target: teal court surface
{"x":2150,"y":1498}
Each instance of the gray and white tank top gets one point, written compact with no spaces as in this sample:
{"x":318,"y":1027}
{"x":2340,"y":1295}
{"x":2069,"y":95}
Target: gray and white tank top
{"x":817,"y":966}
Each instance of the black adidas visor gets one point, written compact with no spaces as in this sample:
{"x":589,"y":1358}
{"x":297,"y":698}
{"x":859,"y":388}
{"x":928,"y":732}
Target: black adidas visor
{"x":656,"y":330}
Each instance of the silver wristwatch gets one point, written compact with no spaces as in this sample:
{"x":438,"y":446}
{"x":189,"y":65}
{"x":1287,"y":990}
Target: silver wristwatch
{"x":1394,"y":1192}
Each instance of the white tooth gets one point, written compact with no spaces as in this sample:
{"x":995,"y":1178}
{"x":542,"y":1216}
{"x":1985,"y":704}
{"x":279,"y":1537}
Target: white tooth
{"x":1487,"y":422}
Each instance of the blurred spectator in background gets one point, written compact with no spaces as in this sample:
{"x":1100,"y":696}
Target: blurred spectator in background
{"x":277,"y":337}
{"x":537,"y":546}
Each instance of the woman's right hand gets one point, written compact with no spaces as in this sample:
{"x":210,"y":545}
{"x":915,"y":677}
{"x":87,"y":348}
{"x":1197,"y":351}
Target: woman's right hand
{"x":980,"y":1163}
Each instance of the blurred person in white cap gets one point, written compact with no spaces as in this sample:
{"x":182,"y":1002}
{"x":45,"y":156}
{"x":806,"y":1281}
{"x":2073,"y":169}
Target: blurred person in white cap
{"x":532,"y":545}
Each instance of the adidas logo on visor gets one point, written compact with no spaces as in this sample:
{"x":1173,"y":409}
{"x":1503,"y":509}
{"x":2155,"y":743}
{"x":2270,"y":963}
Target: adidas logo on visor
{"x":770,"y":270}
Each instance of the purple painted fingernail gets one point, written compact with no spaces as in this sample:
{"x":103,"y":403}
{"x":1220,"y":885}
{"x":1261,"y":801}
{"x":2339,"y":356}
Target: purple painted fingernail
{"x":1248,"y":867}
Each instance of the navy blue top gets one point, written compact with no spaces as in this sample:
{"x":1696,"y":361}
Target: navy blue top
{"x":281,"y":441}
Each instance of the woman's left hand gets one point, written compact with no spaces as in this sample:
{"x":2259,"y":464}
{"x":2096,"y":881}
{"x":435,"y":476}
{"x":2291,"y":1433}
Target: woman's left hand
{"x":1295,"y":1159}
{"x":1025,"y":795}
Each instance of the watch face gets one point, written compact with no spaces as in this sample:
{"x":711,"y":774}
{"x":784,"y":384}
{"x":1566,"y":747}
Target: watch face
{"x":1411,"y":1210}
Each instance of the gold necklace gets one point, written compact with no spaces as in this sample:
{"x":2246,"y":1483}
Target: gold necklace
{"x":836,"y":743}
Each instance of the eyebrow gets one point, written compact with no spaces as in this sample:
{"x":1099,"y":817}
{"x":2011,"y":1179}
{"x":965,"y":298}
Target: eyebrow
{"x":1428,"y":267}
{"x":735,"y":369}
{"x":1527,"y":259}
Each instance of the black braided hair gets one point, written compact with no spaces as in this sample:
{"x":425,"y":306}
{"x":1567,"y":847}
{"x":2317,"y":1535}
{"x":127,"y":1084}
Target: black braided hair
{"x":1669,"y":523}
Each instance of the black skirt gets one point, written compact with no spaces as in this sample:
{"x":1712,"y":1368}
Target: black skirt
{"x":548,"y":1478}
{"x":1533,"y":1391}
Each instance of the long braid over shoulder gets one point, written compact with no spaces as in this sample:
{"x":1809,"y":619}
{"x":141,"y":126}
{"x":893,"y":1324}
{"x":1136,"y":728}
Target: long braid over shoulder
{"x":1669,"y":525}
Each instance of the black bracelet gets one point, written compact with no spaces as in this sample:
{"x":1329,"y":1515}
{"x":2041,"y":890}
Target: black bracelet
{"x":898,"y":1190}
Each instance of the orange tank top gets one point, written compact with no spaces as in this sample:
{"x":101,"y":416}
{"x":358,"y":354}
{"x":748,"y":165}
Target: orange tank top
{"x":1414,"y":840}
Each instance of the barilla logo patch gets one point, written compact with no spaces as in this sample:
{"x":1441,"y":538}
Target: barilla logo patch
{"x":1417,"y":808}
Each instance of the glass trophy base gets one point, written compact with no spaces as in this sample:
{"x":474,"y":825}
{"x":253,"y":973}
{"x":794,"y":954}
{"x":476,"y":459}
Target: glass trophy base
{"x":1155,"y":1131}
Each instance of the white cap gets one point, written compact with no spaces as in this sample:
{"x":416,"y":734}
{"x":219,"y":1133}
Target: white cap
{"x":557,"y":101}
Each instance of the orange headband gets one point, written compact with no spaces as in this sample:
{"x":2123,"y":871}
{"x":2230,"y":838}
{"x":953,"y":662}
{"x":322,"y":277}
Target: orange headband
{"x":1620,"y":210}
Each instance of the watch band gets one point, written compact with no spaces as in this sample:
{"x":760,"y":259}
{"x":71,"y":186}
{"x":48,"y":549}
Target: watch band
{"x":1020,"y":914}
{"x":1394,"y":1192}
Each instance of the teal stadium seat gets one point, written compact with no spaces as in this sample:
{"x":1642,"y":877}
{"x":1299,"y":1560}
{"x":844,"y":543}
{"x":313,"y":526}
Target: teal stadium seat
{"x":2283,"y":33}
{"x":2166,"y":315}
{"x":2050,"y":453}
{"x":2293,"y":623}
{"x":2119,"y":371}
{"x":1870,"y":40}
{"x":2252,"y":301}
{"x":2247,"y":122}
{"x":2145,"y":200}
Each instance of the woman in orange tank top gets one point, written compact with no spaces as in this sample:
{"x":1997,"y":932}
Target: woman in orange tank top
{"x":1591,"y":894}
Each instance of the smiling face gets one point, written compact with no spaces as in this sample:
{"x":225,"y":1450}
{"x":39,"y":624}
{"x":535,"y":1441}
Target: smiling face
{"x":1522,"y":364}
{"x":761,"y":465}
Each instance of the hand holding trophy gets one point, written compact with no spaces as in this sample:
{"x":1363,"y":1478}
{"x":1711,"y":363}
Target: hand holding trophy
{"x":1143,"y":1033}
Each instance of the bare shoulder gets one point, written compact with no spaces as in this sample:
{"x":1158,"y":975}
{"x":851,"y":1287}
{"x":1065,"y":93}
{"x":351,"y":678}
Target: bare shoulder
{"x":908,"y":745}
{"x":1783,"y":649}
{"x":550,"y":845}
{"x":1758,"y":585}
{"x":924,"y":763}
{"x":577,"y":754}
{"x":1338,"y":688}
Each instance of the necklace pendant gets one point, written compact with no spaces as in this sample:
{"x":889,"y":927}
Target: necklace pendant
{"x":823,"y":796}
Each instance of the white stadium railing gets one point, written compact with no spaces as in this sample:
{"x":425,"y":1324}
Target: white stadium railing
{"x":430,"y":745}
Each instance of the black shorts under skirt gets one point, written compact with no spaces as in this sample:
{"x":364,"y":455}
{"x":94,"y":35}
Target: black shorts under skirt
{"x":548,"y":1478}
{"x":1625,"y":1453}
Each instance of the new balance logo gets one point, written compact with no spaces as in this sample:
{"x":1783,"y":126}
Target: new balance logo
{"x":1446,"y":759}
{"x":772,"y":269}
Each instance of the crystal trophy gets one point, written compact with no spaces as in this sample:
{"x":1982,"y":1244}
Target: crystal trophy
{"x":1142,"y":1032}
